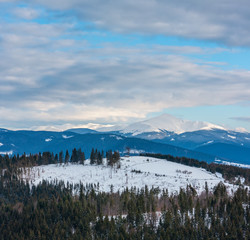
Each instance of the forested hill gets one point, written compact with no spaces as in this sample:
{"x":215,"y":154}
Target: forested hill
{"x":61,"y":210}
{"x":77,"y":156}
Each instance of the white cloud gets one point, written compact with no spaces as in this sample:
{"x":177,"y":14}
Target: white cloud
{"x":113,"y":89}
{"x":226,"y":22}
{"x":67,"y":126}
{"x":26,"y":13}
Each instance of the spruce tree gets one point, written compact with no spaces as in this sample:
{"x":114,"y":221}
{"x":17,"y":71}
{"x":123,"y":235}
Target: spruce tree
{"x":67,"y":157}
{"x":92,"y":157}
{"x":61,"y":157}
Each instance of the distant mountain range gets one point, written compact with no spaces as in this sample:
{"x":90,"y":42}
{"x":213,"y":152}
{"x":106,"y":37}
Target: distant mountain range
{"x":197,"y":136}
{"x":164,"y":134}
{"x":39,"y":141}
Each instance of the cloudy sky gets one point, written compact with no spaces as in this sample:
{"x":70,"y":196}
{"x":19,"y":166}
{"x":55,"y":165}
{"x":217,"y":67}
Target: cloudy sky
{"x":66,"y":63}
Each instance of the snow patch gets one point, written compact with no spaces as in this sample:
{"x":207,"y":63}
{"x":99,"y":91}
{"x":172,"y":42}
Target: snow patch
{"x":135,"y":151}
{"x":117,"y":137}
{"x":6,"y":153}
{"x":230,"y":136}
{"x":241,"y":129}
{"x":66,"y":137}
{"x":209,"y":142}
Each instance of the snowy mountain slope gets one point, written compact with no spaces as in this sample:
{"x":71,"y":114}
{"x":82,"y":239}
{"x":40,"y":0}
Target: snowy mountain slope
{"x":31,"y":141}
{"x":193,"y":140}
{"x":134,"y":172}
{"x":230,"y":145}
{"x":227,"y":151}
{"x":168,"y":123}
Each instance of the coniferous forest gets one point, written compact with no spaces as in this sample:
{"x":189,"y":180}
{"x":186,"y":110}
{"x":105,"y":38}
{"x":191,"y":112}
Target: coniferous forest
{"x":59,"y":210}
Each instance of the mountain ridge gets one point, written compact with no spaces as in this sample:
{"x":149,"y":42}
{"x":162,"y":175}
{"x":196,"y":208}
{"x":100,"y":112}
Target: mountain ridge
{"x":167,"y":122}
{"x":18,"y":142}
{"x":162,"y":123}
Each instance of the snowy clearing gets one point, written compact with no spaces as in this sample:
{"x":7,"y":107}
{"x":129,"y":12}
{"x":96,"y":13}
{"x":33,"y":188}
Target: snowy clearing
{"x":134,"y":172}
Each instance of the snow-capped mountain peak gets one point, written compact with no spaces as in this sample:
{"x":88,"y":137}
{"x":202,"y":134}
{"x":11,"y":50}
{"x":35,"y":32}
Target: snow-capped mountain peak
{"x":167,"y":122}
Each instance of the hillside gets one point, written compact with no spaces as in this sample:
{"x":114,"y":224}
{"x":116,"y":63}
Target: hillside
{"x":133,"y":172}
{"x":227,"y":151}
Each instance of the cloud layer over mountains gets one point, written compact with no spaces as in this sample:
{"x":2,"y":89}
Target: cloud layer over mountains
{"x":52,"y":71}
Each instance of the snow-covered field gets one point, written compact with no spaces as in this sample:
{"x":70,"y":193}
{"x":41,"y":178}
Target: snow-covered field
{"x":233,"y":164}
{"x":134,"y":172}
{"x":6,"y":153}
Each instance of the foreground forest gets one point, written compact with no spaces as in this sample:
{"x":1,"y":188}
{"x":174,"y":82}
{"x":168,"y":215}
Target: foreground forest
{"x":59,"y":210}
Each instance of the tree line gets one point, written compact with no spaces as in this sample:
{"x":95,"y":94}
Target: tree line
{"x":45,"y":158}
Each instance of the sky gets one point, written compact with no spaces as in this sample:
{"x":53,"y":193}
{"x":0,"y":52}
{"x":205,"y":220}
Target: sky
{"x":67,"y":63}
